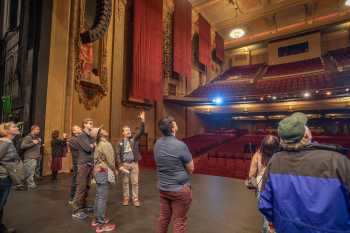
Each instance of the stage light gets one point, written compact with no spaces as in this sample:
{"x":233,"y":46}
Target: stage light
{"x":347,"y":89}
{"x":237,"y":33}
{"x":245,"y":98}
{"x":217,"y":100}
{"x":307,"y":95}
{"x":317,"y":92}
{"x":261,"y":98}
{"x":347,"y":3}
{"x":328,"y":93}
{"x":274,"y":97}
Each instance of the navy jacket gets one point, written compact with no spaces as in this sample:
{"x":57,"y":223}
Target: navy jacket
{"x":307,"y":191}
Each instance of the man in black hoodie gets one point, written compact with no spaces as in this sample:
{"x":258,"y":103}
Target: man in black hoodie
{"x":85,"y":145}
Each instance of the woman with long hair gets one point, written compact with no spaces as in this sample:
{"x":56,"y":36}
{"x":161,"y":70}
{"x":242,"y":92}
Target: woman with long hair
{"x":8,"y":155}
{"x":59,"y":150}
{"x":269,"y":146}
{"x":104,"y":173}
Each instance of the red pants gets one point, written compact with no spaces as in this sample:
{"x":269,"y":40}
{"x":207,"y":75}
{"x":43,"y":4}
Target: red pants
{"x":174,"y":205}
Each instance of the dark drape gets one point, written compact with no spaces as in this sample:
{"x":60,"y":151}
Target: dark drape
{"x":182,"y":38}
{"x":147,"y":50}
{"x":204,"y":41}
{"x":219,"y":44}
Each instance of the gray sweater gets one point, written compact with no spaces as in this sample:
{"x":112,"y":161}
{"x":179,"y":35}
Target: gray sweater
{"x":31,"y":150}
{"x":8,"y":155}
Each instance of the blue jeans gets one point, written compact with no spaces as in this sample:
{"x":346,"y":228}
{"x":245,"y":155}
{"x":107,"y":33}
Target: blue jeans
{"x":5,"y":187}
{"x":101,"y":196}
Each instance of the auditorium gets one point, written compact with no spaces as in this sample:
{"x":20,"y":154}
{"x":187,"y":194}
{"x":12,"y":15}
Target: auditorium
{"x":197,"y":116}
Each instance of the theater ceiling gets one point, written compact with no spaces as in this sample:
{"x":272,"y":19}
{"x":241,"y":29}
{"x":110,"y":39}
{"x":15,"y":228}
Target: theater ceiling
{"x":263,"y":20}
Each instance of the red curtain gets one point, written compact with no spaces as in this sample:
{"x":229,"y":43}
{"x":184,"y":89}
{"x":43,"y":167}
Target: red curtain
{"x":204,"y":41}
{"x":147,"y":50}
{"x":219,"y":44}
{"x":183,"y":38}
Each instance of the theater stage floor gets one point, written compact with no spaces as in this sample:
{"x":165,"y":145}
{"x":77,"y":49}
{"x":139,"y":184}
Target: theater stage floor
{"x":220,"y":205}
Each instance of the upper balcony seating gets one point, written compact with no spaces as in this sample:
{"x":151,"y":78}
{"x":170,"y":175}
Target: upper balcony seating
{"x":306,"y":66}
{"x":341,"y":57}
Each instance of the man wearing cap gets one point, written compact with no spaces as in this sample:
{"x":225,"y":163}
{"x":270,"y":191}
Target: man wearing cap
{"x":305,"y":189}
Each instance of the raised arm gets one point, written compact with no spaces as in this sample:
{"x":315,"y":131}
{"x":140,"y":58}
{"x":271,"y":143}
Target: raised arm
{"x":141,"y":130}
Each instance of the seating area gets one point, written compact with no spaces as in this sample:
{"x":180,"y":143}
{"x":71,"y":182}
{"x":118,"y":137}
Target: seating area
{"x":231,"y":157}
{"x":317,"y":81}
{"x":306,"y":66}
{"x":241,"y":72}
{"x":341,"y":57}
{"x":201,"y":143}
{"x":222,"y":89}
{"x":290,"y":84}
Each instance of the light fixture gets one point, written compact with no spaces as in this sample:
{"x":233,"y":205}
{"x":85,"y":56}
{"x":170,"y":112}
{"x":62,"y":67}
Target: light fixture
{"x":217,"y":100}
{"x":274,"y":97}
{"x":317,"y":91}
{"x":347,"y":3}
{"x":261,"y":98}
{"x":237,"y":33}
{"x":347,"y":89}
{"x":328,"y":93}
{"x":307,"y":95}
{"x":245,"y":98}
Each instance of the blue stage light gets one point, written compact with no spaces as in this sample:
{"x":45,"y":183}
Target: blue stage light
{"x":217,"y":100}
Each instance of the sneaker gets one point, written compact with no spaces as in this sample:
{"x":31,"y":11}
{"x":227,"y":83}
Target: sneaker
{"x":125,"y":201}
{"x":89,"y":209}
{"x":80,"y":216}
{"x":105,"y":228}
{"x":32,"y":187}
{"x":21,"y":188}
{"x":136,"y":202}
{"x":95,"y":224}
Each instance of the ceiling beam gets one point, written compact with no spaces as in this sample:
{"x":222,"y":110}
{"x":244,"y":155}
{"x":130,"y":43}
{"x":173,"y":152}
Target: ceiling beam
{"x":262,"y":12}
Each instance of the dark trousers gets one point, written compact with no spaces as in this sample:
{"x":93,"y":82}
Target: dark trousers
{"x":174,"y":205}
{"x":5,"y":187}
{"x":83,"y":186}
{"x":74,"y":184}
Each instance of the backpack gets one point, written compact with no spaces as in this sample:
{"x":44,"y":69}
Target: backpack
{"x":15,"y":169}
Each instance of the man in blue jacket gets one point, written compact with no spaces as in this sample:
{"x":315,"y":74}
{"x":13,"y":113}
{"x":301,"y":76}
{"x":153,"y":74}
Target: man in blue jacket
{"x":305,"y":189}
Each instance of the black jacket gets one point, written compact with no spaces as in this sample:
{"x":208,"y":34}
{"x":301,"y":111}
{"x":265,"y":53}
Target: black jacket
{"x":58,"y":147}
{"x":84,"y":150}
{"x":74,"y":148}
{"x":134,"y":143}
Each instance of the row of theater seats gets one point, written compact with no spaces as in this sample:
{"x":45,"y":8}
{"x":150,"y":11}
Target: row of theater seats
{"x":201,"y":143}
{"x":341,"y":56}
{"x":232,"y":158}
{"x":295,"y":67}
{"x":301,"y":83}
{"x":243,"y":71}
{"x":235,"y":168}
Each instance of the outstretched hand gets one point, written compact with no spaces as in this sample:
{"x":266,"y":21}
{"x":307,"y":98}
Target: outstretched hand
{"x":142,"y":116}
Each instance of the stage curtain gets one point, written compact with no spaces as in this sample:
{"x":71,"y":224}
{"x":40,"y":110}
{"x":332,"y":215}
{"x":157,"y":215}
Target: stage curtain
{"x":204,"y":41}
{"x":147,"y":50}
{"x":219,"y":44}
{"x":183,"y":38}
